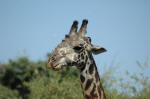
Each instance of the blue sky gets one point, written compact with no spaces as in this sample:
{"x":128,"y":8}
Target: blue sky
{"x":35,"y":27}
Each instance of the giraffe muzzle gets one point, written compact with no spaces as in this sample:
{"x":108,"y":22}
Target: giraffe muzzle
{"x":49,"y":65}
{"x":56,"y":68}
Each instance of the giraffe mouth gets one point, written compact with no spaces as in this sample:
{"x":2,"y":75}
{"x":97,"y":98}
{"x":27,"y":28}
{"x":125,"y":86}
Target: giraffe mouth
{"x":58,"y":67}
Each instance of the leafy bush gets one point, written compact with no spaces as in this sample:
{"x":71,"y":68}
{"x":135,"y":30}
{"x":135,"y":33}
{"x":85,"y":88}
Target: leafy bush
{"x":7,"y":93}
{"x":16,"y":73}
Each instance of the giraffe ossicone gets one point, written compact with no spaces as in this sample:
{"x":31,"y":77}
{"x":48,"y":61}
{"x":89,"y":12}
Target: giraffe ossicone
{"x":76,"y":50}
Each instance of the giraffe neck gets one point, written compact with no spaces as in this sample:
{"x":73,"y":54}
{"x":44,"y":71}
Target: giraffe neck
{"x":90,"y":80}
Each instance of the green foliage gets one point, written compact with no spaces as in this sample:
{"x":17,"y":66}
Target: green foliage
{"x":16,"y":73}
{"x":7,"y":93}
{"x":52,"y":88}
{"x":25,"y":79}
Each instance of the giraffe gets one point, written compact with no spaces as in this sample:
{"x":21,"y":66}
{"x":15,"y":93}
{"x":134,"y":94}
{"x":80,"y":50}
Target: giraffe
{"x":76,"y":50}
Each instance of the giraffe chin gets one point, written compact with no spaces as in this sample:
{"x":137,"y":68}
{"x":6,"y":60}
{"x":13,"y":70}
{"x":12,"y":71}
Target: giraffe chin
{"x":57,"y":68}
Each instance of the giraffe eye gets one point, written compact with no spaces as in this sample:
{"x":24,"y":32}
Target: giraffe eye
{"x":77,"y":48}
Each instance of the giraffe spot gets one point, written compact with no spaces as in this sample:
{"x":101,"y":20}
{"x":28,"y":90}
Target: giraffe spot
{"x":97,"y":76}
{"x":82,"y":66}
{"x":82,"y":56}
{"x":82,"y":63}
{"x":87,"y":97}
{"x":86,"y":71}
{"x":86,"y":58}
{"x":99,"y":90}
{"x":91,"y":69}
{"x":82,"y":78}
{"x":77,"y":61}
{"x":92,"y":92}
{"x":78,"y":56}
{"x":88,"y":83}
{"x":90,"y":56}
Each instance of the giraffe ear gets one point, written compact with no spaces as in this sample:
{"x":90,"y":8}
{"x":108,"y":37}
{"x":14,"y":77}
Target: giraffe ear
{"x":97,"y":50}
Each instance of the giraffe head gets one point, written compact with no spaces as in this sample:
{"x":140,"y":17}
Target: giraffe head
{"x":74,"y":48}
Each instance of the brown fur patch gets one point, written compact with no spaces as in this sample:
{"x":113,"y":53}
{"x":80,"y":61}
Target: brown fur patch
{"x":91,"y":69}
{"x":99,"y":90}
{"x":87,"y":97}
{"x":97,"y":76}
{"x":93,"y":92}
{"x":88,"y":83}
{"x":82,"y":78}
